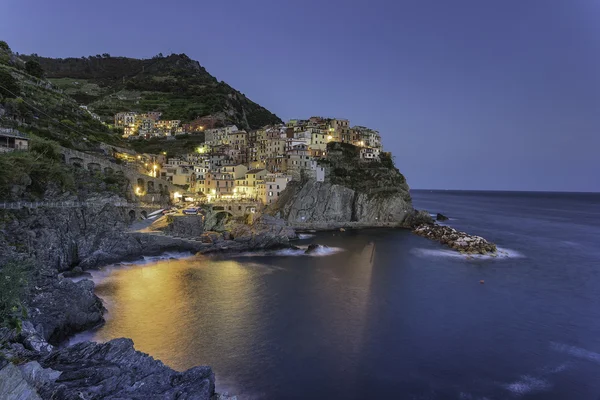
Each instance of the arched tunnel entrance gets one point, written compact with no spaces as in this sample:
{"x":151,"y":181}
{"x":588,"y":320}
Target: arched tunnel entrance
{"x":94,"y":167}
{"x":76,"y":162}
{"x":131,"y":215}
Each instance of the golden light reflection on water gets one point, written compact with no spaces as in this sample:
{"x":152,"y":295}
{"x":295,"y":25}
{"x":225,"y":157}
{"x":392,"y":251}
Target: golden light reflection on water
{"x":160,"y":306}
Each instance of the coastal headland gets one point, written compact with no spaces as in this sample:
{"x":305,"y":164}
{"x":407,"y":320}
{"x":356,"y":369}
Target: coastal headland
{"x":89,"y":179}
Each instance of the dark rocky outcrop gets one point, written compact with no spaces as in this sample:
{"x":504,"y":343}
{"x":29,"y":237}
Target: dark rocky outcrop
{"x":266,"y":232}
{"x":459,"y":241}
{"x":441,"y":217}
{"x":115,"y":370}
{"x":59,"y":307}
{"x":313,"y":248}
{"x":112,"y":370}
{"x":417,"y":218}
{"x":184,"y":225}
{"x":63,"y":238}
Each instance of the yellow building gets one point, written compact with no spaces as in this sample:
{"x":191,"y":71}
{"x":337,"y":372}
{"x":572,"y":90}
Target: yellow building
{"x":247,"y":186}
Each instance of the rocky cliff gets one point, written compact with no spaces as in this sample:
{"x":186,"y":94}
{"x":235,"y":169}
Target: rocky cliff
{"x":323,"y":205}
{"x":66,"y":237}
{"x":357,"y":194}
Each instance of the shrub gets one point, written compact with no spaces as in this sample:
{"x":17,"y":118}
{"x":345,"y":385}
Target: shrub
{"x":34,"y":68}
{"x":14,"y":281}
{"x":9,"y":87}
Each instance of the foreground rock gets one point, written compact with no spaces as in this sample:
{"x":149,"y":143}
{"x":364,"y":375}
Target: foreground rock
{"x":441,"y":217}
{"x":112,"y":370}
{"x":14,"y":386}
{"x":457,"y":240}
{"x":59,"y":307}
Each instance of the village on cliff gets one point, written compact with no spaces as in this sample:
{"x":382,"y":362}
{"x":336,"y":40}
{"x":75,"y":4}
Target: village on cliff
{"x":235,"y":164}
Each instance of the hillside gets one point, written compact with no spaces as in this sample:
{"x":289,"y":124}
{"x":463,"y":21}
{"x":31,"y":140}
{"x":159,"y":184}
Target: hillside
{"x":176,"y":85}
{"x":35,"y":106}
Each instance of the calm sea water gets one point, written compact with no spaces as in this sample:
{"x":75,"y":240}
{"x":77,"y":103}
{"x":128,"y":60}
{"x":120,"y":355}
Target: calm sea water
{"x":384,"y":313}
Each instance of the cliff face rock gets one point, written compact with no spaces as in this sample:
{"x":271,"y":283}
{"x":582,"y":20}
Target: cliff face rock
{"x":322,"y":205}
{"x":65,"y":237}
{"x":184,"y":225}
{"x":358,"y":193}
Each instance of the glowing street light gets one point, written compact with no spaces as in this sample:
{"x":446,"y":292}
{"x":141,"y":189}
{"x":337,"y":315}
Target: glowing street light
{"x":138,"y":190}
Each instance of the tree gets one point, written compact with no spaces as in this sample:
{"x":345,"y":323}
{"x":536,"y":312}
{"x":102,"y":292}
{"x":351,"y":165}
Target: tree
{"x":34,"y":68}
{"x":105,"y":55}
{"x":9,"y":87}
{"x":4,"y":46}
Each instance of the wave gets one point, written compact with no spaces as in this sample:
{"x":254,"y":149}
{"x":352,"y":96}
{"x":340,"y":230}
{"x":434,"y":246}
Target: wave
{"x":300,"y":251}
{"x":502,"y":253}
{"x":576,"y":352}
{"x":302,"y":236}
{"x":528,"y":384}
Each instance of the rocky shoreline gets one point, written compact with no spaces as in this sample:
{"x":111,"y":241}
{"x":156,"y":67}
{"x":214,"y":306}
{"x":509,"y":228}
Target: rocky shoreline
{"x":31,"y":364}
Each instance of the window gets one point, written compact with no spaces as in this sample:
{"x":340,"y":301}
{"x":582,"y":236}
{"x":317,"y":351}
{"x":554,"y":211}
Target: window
{"x":270,"y":194}
{"x":277,"y":186}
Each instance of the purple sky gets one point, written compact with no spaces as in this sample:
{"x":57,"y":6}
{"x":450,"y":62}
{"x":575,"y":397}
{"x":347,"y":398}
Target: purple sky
{"x":467,"y":94}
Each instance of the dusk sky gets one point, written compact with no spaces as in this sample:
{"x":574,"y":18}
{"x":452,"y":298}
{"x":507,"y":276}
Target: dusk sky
{"x":501,"y":95}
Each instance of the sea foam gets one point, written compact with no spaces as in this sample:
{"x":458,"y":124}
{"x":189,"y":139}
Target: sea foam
{"x":576,"y":352}
{"x":300,"y":251}
{"x":502,"y":253}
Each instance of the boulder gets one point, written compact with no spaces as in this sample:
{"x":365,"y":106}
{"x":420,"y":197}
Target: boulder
{"x":313,"y":248}
{"x":441,"y":217}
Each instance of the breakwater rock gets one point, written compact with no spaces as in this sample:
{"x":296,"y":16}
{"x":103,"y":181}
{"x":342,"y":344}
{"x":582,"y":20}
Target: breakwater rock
{"x":459,"y":241}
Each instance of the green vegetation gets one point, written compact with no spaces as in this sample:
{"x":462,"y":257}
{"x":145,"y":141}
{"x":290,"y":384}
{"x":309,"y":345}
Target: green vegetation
{"x":175,"y":85}
{"x":33,"y":172}
{"x":14,"y":282}
{"x":34,"y":68}
{"x":50,"y":114}
{"x":9,"y":88}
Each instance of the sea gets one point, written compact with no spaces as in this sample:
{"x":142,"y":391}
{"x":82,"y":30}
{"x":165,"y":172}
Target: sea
{"x":383,"y":313}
